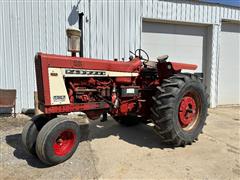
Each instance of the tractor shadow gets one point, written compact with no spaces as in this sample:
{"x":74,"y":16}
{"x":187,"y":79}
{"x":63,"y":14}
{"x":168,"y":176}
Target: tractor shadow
{"x":15,"y":141}
{"x":141,"y":135}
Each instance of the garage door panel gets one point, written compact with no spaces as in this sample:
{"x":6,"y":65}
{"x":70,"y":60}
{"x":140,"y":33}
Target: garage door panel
{"x":229,"y":64}
{"x":183,"y":43}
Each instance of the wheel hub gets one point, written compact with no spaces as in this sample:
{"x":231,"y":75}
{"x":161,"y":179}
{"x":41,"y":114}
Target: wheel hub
{"x":187,"y":111}
{"x":64,"y":143}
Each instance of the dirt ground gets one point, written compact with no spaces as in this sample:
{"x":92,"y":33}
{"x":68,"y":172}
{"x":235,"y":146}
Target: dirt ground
{"x":116,"y":152}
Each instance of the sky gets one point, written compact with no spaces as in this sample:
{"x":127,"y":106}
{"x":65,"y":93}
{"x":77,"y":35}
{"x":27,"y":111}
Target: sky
{"x":228,"y":2}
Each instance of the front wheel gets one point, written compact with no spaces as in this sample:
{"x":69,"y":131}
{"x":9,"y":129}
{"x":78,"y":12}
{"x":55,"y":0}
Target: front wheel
{"x":179,"y":109}
{"x":57,"y":141}
{"x":31,"y":130}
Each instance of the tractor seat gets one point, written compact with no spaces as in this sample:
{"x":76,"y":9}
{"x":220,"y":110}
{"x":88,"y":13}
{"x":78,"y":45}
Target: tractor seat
{"x":162,"y":58}
{"x":153,"y":64}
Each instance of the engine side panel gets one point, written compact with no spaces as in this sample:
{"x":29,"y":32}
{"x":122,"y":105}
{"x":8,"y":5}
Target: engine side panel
{"x":58,"y":91}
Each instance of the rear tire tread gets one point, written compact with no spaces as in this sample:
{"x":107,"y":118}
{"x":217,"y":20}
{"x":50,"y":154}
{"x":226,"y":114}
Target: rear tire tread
{"x":163,"y":108}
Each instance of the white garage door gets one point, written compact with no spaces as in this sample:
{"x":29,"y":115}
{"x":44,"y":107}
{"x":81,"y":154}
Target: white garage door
{"x":183,"y":43}
{"x":229,"y":65}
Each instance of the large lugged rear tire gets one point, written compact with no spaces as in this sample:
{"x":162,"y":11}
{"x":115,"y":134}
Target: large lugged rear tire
{"x":179,"y":109}
{"x":57,"y":141}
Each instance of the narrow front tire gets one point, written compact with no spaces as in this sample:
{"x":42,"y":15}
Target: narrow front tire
{"x":57,"y":141}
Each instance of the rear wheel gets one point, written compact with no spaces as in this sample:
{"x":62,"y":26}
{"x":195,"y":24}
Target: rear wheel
{"x":180,"y":109}
{"x":31,"y":130}
{"x":57,"y":141}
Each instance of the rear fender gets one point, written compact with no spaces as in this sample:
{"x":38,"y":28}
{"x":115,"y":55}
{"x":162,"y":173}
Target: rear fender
{"x":179,"y":66}
{"x":167,"y":69}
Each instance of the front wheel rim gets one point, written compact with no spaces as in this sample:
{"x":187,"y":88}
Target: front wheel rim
{"x":64,"y":143}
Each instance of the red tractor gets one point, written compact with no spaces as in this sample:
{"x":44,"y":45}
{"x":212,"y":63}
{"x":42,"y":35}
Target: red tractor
{"x":131,"y":92}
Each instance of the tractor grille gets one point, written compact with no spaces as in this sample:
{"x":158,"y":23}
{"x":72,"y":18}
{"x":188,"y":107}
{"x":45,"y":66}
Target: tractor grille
{"x":38,"y":68}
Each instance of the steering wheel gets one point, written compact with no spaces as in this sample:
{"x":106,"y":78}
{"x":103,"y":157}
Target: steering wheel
{"x":138,"y":53}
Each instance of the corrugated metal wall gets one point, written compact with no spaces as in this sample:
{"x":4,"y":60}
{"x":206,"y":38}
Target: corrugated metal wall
{"x":111,"y":29}
{"x":27,"y":27}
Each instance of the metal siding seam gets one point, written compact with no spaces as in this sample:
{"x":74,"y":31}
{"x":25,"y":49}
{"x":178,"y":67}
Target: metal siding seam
{"x":4,"y":50}
{"x":86,"y":27}
{"x":195,"y":14}
{"x":184,"y":12}
{"x":11,"y":51}
{"x":146,"y":8}
{"x":188,"y":12}
{"x":138,"y":26}
{"x":135,"y":26}
{"x":46,"y":39}
{"x":152,"y":15}
{"x":105,"y":32}
{"x":179,"y":12}
{"x":225,"y":14}
{"x":124,"y":25}
{"x":96,"y":34}
{"x":157,"y":9}
{"x":200,"y":13}
{"x":8,"y":60}
{"x":115,"y":30}
{"x":36,"y":47}
{"x":53,"y":34}
{"x":126,"y":29}
{"x":20,"y":60}
{"x":132,"y":30}
{"x":26,"y":33}
{"x":172,"y":11}
{"x":93,"y":29}
{"x":1,"y":50}
{"x":154,"y":8}
{"x":140,"y":22}
{"x":174,"y":7}
{"x":26,"y":55}
{"x":30,"y":63}
{"x":39,"y":35}
{"x":62,"y":30}
{"x":214,"y":14}
{"x":205,"y":9}
{"x":169,"y":10}
{"x":129,"y":18}
{"x":218,"y":16}
{"x":238,"y":14}
{"x":208,"y":14}
{"x":108,"y":29}
{"x":164,"y":10}
{"x":230,"y":13}
{"x":103,"y":49}
{"x":162,"y":14}
{"x":65,"y":13}
{"x":90,"y":20}
{"x":121,"y":35}
{"x":234,"y":14}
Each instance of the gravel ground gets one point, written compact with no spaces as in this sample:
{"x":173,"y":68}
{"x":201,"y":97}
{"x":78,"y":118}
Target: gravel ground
{"x":116,"y":152}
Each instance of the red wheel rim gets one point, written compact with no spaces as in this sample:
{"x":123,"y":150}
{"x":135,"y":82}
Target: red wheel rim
{"x":188,"y":111}
{"x":64,"y":143}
